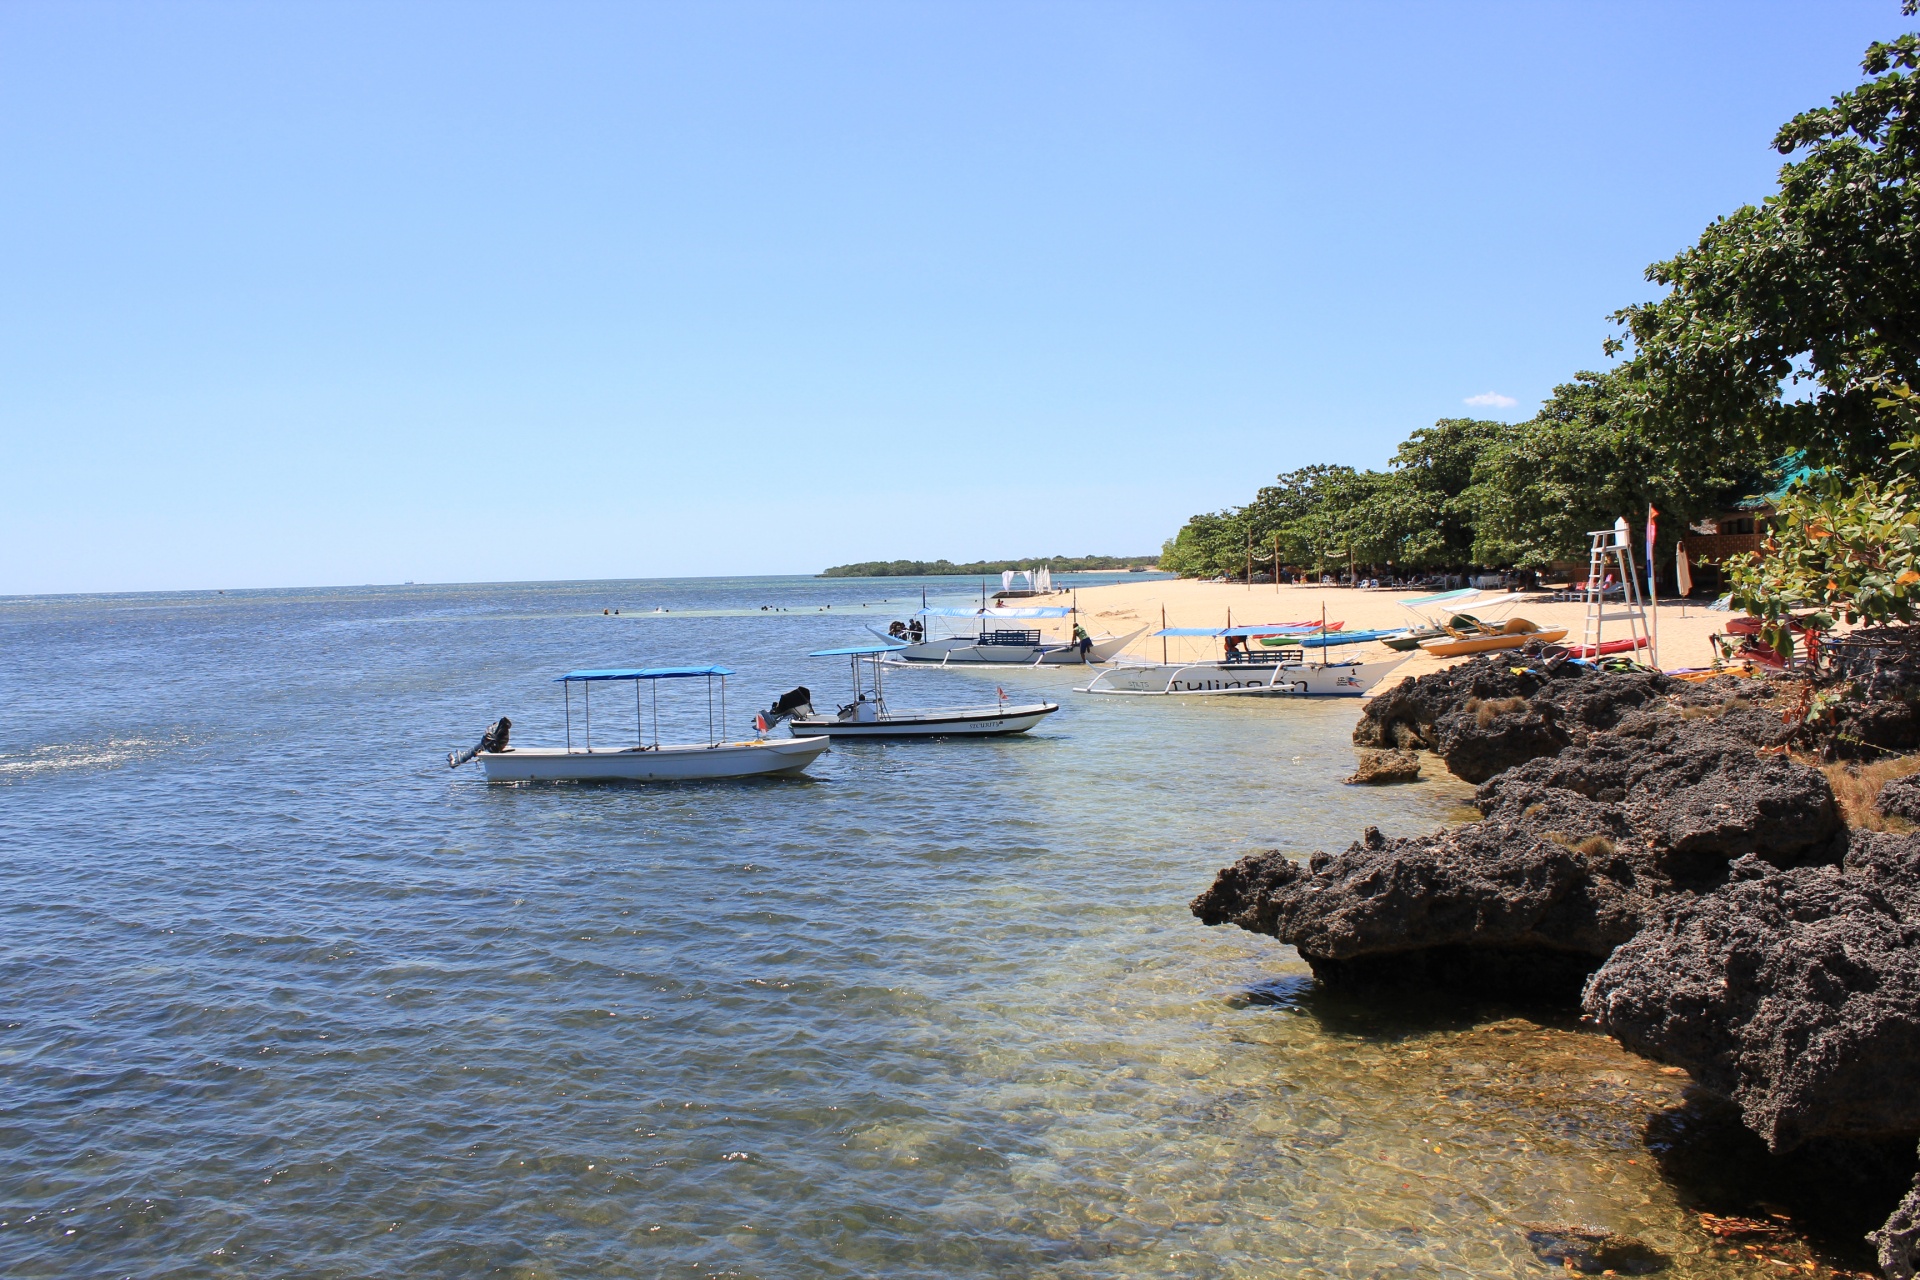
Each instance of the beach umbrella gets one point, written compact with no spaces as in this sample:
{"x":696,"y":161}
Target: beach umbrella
{"x":1682,"y":571}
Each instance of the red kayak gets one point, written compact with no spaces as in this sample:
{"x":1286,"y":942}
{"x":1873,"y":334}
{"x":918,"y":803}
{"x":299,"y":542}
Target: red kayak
{"x":1611,"y":646}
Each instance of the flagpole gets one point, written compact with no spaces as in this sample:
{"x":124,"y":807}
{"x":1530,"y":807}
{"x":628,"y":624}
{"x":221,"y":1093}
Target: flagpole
{"x":1653,"y":592}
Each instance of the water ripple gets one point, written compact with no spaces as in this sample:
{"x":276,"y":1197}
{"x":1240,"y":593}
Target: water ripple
{"x":284,"y":997}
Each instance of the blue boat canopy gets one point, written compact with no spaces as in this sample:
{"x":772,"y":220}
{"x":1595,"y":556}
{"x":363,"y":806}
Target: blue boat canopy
{"x":642,"y":673}
{"x":856,"y":650}
{"x":1271,"y":629}
{"x":1317,"y":641}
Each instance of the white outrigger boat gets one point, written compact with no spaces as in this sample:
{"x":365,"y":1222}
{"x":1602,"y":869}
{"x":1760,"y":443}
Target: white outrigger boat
{"x":868,"y":715}
{"x":1247,"y":673}
{"x":644,"y":762}
{"x":992,"y":643}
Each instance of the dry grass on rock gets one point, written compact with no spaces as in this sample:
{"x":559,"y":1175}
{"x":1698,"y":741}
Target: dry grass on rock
{"x":1857,"y":788}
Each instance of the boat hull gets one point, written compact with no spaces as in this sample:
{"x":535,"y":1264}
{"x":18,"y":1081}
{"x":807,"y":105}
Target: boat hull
{"x":1412,"y":640}
{"x":965,"y":650}
{"x":1452,"y":648}
{"x":978,"y":722}
{"x":1314,"y":680}
{"x":665,"y":764}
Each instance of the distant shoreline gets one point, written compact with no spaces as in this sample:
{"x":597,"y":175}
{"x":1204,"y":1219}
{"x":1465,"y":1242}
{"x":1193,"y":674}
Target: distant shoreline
{"x":947,"y":568}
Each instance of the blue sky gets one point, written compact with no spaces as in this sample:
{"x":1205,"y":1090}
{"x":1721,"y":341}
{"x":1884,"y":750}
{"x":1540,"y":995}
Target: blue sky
{"x":333,"y":293}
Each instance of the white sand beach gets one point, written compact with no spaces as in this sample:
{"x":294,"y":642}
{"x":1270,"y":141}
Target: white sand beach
{"x":1123,"y":606}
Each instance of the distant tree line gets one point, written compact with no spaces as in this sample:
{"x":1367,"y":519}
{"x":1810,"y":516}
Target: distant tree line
{"x":1783,"y":344}
{"x":1467,"y":493}
{"x":936,"y":568}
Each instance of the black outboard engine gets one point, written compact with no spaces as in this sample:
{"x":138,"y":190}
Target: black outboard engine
{"x":796,"y":702}
{"x":494,"y":739}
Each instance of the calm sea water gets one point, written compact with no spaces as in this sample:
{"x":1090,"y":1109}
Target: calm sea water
{"x":284,"y":996}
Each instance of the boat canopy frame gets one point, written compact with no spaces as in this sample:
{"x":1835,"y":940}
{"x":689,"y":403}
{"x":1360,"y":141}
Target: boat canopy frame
{"x":651,"y":676}
{"x":855,"y":653}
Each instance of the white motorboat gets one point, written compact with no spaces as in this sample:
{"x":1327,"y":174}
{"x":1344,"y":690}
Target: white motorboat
{"x":869,"y":716}
{"x":1243,"y":673}
{"x":989,"y":640}
{"x":644,"y":761}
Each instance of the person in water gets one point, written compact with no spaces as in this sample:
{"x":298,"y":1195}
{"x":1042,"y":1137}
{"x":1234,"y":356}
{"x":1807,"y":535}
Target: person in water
{"x":1082,"y":640}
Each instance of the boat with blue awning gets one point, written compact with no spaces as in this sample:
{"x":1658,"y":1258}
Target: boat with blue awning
{"x":647,"y":759}
{"x":869,"y":716}
{"x":1245,"y":672}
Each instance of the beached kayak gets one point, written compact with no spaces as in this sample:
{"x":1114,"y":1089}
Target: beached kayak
{"x":1454,"y":646}
{"x":1611,"y":646}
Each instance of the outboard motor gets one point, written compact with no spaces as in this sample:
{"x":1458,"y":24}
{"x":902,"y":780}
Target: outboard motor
{"x":796,"y":702}
{"x":494,"y":739}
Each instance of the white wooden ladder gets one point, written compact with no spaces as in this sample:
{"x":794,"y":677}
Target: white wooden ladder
{"x":1611,"y":556}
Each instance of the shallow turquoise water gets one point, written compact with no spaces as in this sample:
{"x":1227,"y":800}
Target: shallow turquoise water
{"x":283,"y":996}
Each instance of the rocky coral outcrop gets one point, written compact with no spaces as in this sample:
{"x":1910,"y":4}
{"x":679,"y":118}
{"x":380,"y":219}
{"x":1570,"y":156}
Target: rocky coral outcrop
{"x":1794,"y":993}
{"x":1689,"y":793}
{"x":1576,"y":854}
{"x":1487,"y":902}
{"x":1377,"y":768}
{"x":1898,"y":1240}
{"x":1900,"y":798}
{"x":1495,"y":712}
{"x":1649,"y":839}
{"x":1879,"y":669}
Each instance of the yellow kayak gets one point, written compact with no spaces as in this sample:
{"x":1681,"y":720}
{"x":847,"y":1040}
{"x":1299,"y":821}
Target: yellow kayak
{"x":1512,"y":636}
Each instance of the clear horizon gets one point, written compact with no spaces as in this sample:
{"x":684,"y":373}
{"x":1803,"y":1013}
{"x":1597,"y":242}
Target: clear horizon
{"x":528,"y":582}
{"x":308,"y":297}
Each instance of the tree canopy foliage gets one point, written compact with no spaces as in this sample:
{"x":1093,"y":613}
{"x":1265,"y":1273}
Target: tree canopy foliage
{"x":1778,"y":334}
{"x":937,"y":568}
{"x":1467,"y":492}
{"x":1780,"y":324}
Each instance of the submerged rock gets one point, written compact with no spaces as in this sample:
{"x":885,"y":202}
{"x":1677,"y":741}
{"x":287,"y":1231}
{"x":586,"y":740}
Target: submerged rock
{"x":1377,"y":767}
{"x":1592,"y":1251}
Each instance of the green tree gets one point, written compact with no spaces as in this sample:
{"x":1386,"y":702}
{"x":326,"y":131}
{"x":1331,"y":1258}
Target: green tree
{"x":1585,"y":459}
{"x":1206,"y":546}
{"x":1781,"y":322}
{"x":1427,"y":510}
